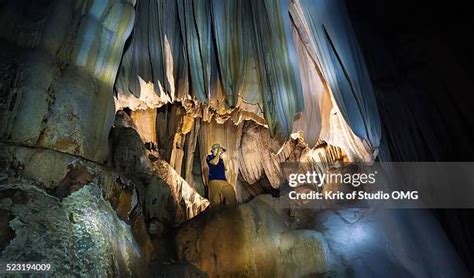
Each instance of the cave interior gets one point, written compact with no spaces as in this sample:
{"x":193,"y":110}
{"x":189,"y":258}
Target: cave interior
{"x":108,"y":109}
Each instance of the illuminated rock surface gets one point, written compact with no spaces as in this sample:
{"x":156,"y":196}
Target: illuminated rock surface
{"x":168,"y":198}
{"x":64,"y":71}
{"x":387,"y":243}
{"x":96,"y":241}
{"x":250,"y":240}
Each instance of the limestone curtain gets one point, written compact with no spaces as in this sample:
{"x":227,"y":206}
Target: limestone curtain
{"x":342,"y":63}
{"x":278,"y":64}
{"x":232,"y":25}
{"x":252,"y":56}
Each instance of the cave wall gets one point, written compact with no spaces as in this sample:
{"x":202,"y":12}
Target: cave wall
{"x":56,"y":202}
{"x":65,"y":59}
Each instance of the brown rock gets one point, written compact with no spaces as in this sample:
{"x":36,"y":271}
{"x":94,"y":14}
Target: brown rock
{"x":140,"y":233}
{"x":250,"y":240}
{"x":77,"y":177}
{"x":169,"y":198}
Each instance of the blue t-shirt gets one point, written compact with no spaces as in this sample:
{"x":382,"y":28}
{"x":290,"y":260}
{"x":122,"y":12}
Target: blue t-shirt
{"x":216,"y":172}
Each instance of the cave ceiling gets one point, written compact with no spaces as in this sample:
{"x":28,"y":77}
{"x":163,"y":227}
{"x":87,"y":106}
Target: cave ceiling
{"x":291,"y":66}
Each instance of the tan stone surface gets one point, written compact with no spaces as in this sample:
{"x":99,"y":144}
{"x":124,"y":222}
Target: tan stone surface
{"x":250,"y":240}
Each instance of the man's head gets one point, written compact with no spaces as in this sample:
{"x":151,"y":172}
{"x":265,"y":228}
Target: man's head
{"x":216,"y":148}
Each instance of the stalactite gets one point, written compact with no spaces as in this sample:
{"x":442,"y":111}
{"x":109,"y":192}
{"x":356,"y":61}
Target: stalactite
{"x":327,"y":31}
{"x":145,"y":123}
{"x":232,"y":24}
{"x":314,"y":90}
{"x":196,"y":31}
{"x":277,"y":64}
{"x":168,"y":119}
{"x":190,"y":152}
{"x":263,"y":70}
{"x":177,"y":153}
{"x":153,"y":69}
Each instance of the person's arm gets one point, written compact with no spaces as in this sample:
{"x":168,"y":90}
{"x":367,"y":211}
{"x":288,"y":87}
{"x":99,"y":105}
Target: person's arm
{"x":216,"y":158}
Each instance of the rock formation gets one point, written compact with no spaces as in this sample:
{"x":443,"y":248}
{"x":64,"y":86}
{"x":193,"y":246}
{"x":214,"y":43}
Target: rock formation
{"x":251,"y":240}
{"x":108,"y":109}
{"x":65,"y":62}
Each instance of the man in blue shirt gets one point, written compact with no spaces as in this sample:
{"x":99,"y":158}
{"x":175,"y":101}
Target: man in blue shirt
{"x":220,"y":191}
